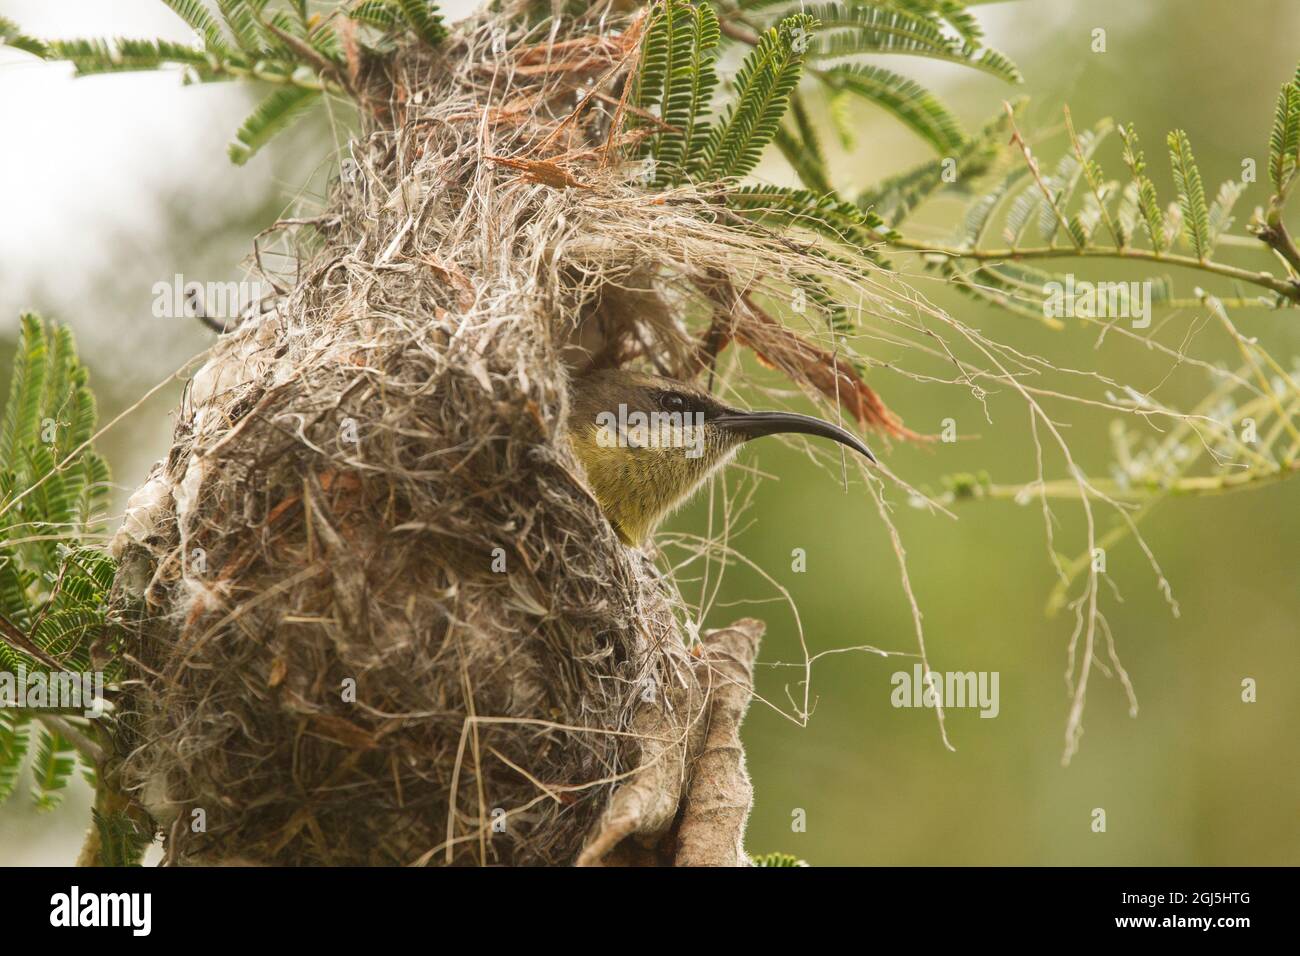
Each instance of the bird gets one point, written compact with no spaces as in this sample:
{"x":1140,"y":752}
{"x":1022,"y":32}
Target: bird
{"x":647,"y":442}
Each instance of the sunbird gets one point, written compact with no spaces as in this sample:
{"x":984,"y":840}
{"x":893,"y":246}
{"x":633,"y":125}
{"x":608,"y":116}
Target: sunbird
{"x":648,"y":442}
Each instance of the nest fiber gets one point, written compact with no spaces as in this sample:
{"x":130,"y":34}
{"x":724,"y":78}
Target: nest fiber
{"x":373,"y":614}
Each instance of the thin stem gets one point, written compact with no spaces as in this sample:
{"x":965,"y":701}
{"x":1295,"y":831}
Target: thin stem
{"x":1274,"y":235}
{"x":1086,"y":165}
{"x":1032,"y":163}
{"x":1283,"y":287}
{"x":1067,"y":488}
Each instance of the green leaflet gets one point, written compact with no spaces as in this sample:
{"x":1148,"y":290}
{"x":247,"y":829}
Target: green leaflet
{"x":273,"y":114}
{"x":377,"y":13}
{"x":22,"y":410}
{"x":677,"y":82}
{"x":122,"y":840}
{"x":827,"y":215}
{"x":802,"y":148}
{"x":1065,"y":180}
{"x":1014,"y":287}
{"x":10,"y":35}
{"x":242,"y":21}
{"x":896,"y":197}
{"x":762,"y":87}
{"x":196,"y":15}
{"x":1031,"y":204}
{"x":856,"y":29}
{"x":777,"y":859}
{"x":980,"y":212}
{"x":1284,"y":138}
{"x":1191,"y":194}
{"x":53,"y":489}
{"x":911,"y":103}
{"x":52,"y":768}
{"x":1147,"y":201}
{"x":423,"y":19}
{"x":13,"y":748}
{"x":1126,"y":214}
{"x":1221,"y":209}
{"x":952,"y":12}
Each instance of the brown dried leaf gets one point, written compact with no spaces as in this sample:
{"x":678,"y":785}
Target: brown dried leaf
{"x":782,"y":349}
{"x":542,"y":171}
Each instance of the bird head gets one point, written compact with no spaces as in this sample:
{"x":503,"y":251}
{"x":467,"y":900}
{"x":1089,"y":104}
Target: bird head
{"x":647,"y":442}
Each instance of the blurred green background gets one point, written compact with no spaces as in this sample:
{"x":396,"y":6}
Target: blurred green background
{"x":114,"y":183}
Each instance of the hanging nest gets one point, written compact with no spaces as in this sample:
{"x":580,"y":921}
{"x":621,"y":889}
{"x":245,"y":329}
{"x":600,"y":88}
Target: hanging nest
{"x":373,"y":615}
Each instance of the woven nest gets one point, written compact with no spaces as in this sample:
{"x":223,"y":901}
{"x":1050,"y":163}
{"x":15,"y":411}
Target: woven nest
{"x":373,"y":613}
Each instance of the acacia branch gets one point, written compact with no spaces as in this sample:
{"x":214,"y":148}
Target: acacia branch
{"x":14,"y":635}
{"x":1068,"y":489}
{"x":1273,"y":233}
{"x":1287,"y":288}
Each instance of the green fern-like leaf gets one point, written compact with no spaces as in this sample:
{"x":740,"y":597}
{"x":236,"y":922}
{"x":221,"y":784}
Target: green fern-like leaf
{"x":906,"y":99}
{"x":827,"y":302}
{"x":1191,"y":194}
{"x":52,"y":768}
{"x":21,"y":419}
{"x":95,"y":56}
{"x":1065,"y":179}
{"x":376,"y":13}
{"x":15,"y":605}
{"x":1048,"y":206}
{"x":122,"y":839}
{"x":653,"y":70}
{"x":1126,"y":214}
{"x":689,"y":86}
{"x":1284,"y":140}
{"x":201,"y":21}
{"x":11,"y":36}
{"x":676,"y":82}
{"x":777,"y":859}
{"x":272,"y":115}
{"x":1221,"y":209}
{"x":980,"y":213}
{"x":53,"y":490}
{"x":424,"y":20}
{"x":856,"y":29}
{"x":13,"y":748}
{"x":802,"y":148}
{"x":241,"y":19}
{"x":763,"y":87}
{"x":274,"y":45}
{"x":837,"y":107}
{"x":826,"y":215}
{"x":897,"y":196}
{"x":1013,"y":287}
{"x":952,"y":12}
{"x":1147,"y":201}
{"x":66,"y":633}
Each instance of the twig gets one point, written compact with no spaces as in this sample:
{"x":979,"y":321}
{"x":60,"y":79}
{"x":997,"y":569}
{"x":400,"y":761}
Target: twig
{"x":18,"y":639}
{"x":88,"y":748}
{"x":1283,"y":287}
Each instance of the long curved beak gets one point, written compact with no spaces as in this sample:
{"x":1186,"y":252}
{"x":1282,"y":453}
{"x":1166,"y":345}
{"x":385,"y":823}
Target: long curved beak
{"x":757,"y":424}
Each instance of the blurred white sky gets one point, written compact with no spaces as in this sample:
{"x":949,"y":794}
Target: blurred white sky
{"x":89,"y":166}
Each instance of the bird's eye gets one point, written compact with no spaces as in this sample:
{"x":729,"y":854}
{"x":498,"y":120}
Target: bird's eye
{"x":672,"y":402}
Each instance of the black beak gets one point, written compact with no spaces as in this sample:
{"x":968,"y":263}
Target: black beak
{"x":757,"y":424}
